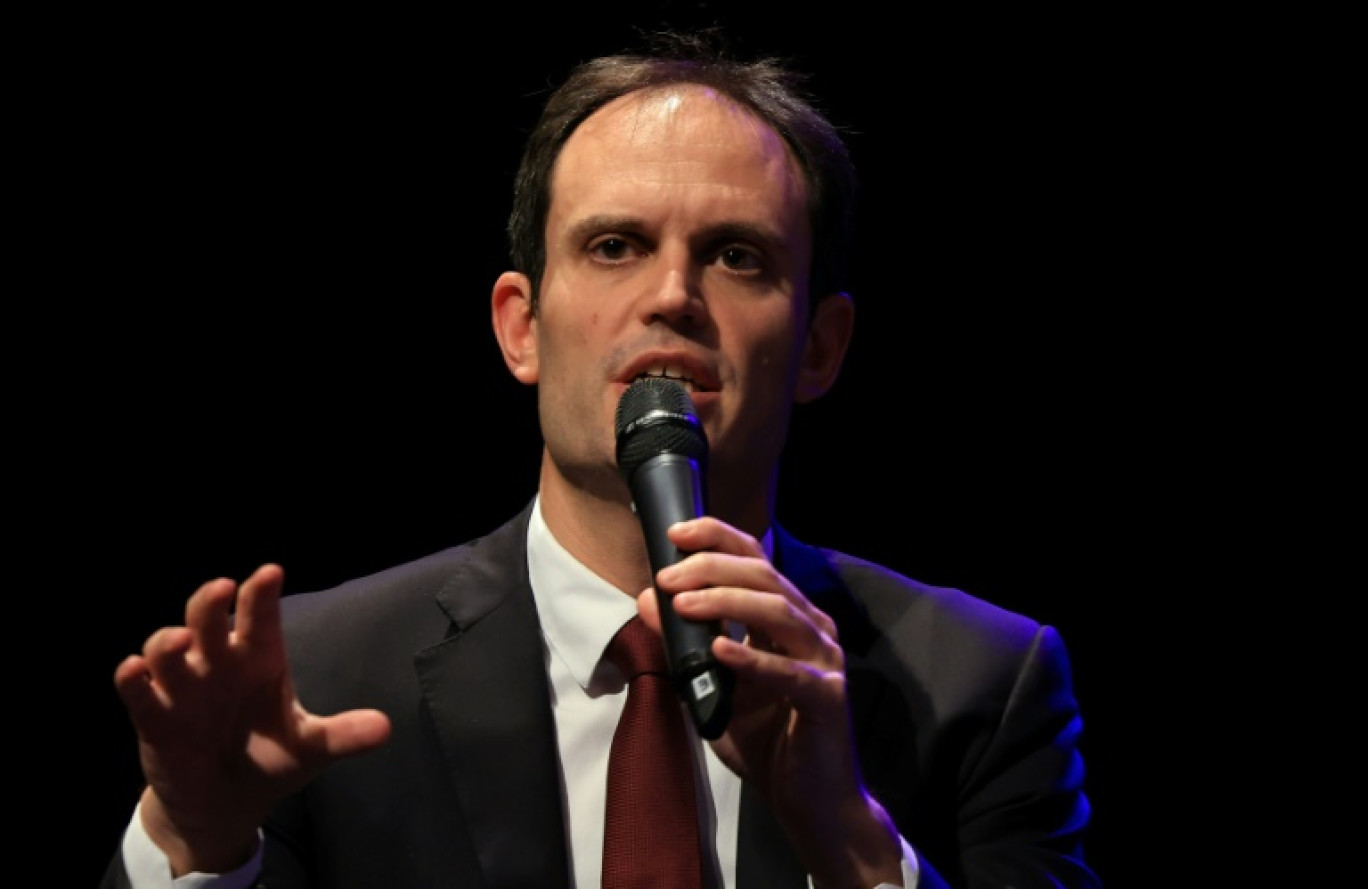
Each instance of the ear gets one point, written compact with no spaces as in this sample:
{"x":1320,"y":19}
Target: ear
{"x":828,"y":337}
{"x":514,"y":326}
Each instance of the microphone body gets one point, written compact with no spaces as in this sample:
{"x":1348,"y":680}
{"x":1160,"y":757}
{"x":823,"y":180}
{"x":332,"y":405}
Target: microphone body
{"x":662,"y":453}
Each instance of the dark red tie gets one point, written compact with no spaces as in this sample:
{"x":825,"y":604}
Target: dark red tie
{"x":650,"y":833}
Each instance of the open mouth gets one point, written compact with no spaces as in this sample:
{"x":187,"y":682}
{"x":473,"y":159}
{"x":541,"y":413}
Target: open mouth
{"x":672,"y":373}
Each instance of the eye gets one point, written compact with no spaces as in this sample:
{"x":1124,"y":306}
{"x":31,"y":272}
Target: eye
{"x":740,"y":259}
{"x":612,"y":249}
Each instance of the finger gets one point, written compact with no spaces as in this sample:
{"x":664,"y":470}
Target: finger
{"x":722,"y":555}
{"x":258,"y":608}
{"x":164,"y":654}
{"x":816,"y":691}
{"x":133,"y":682}
{"x":354,"y":731}
{"x":708,"y":533}
{"x":147,"y":709}
{"x":774,"y":622}
{"x":207,"y":617}
{"x":705,"y":570}
{"x":649,"y":609}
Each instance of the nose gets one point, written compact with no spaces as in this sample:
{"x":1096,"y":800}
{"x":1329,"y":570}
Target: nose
{"x":676,"y":296}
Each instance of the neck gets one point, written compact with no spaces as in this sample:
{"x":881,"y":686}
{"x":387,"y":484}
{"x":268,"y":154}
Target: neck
{"x":597,"y":527}
{"x":596,"y":524}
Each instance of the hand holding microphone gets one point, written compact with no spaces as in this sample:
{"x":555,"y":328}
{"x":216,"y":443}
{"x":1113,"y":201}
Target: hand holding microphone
{"x":662,"y":452}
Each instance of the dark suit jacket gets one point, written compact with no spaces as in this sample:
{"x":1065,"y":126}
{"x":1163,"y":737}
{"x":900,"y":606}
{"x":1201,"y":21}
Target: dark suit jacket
{"x":964,"y":715}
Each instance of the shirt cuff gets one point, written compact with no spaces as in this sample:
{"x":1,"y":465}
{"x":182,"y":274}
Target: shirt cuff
{"x":149,"y":868}
{"x":911,"y":870}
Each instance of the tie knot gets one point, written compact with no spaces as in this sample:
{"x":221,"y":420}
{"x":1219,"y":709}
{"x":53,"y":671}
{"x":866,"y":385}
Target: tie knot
{"x":636,"y":650}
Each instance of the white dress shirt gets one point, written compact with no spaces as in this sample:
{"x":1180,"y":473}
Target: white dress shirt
{"x":580,"y":612}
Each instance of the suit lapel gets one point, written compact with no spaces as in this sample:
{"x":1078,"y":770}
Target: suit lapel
{"x":485,"y":689}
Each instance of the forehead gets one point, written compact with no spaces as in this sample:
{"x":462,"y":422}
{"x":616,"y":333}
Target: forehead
{"x":679,"y":113}
{"x":679,"y":135}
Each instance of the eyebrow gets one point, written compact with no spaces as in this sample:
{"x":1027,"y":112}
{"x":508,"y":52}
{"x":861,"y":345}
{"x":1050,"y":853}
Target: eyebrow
{"x":746,"y":231}
{"x":602,"y":222}
{"x":722,"y":231}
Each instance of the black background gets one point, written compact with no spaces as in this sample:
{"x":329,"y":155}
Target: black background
{"x":269,"y":332}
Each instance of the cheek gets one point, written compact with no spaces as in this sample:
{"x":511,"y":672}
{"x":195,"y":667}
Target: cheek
{"x":579,"y":337}
{"x":776,"y":340}
{"x":575,"y":342}
{"x":576,"y":318}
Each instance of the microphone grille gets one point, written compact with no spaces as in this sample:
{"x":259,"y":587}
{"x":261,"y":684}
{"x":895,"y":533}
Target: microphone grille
{"x":655,"y":415}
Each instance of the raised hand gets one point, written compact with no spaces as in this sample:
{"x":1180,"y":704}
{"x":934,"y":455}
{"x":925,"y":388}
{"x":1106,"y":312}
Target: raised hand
{"x":221,"y":735}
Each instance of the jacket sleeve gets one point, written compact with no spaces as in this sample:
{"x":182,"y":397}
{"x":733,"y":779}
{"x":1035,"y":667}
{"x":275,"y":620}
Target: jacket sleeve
{"x":1024,"y":812}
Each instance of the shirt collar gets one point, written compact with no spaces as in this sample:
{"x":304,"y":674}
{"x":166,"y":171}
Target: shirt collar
{"x":580,"y":612}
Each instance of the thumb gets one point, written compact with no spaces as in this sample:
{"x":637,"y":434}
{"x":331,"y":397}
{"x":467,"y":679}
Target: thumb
{"x":649,"y":608}
{"x":353,"y":731}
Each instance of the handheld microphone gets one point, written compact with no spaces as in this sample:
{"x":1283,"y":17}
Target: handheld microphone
{"x":662,"y":452}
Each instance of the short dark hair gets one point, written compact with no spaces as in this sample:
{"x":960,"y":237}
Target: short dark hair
{"x":766,"y":86}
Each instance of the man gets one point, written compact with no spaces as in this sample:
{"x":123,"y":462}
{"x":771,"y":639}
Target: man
{"x":447,"y":722}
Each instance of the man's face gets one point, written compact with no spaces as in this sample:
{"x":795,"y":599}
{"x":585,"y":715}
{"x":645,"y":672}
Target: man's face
{"x":677,"y":242}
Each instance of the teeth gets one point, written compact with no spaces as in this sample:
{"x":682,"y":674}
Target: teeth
{"x":670,"y":373}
